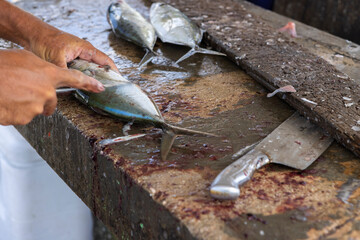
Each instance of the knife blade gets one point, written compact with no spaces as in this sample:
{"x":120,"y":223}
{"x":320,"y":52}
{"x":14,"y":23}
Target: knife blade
{"x":296,"y":143}
{"x":65,"y":90}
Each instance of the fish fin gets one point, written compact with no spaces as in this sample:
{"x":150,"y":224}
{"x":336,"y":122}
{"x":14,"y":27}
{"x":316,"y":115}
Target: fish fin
{"x":167,"y":141}
{"x":109,"y":141}
{"x":170,"y":133}
{"x":127,"y":127}
{"x":185,"y":131}
{"x":187,"y":55}
{"x":198,"y":49}
{"x":149,"y":55}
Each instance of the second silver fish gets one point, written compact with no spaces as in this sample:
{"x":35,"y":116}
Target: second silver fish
{"x":129,"y":24}
{"x":172,"y":26}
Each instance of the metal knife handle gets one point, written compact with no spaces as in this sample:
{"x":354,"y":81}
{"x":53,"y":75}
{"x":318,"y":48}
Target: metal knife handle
{"x":226,"y":184}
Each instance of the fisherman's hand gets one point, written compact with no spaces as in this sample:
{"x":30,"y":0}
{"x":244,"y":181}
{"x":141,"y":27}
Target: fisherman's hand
{"x":46,"y":41}
{"x":60,"y":48}
{"x":28,"y":86}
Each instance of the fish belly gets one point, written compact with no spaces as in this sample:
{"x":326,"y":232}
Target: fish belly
{"x":125,"y":101}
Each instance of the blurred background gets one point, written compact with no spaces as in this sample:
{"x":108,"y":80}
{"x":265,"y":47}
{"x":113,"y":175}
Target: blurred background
{"x":340,"y":18}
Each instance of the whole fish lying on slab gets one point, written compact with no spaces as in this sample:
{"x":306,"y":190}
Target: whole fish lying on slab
{"x":129,"y":24}
{"x":172,"y":26}
{"x":124,"y":99}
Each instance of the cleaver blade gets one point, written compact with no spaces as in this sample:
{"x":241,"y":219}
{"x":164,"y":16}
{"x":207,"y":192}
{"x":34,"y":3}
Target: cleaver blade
{"x":296,"y":143}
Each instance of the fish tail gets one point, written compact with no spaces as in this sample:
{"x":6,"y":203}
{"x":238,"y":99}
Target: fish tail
{"x":149,"y":55}
{"x":198,"y":49}
{"x":170,"y":133}
{"x":187,"y":55}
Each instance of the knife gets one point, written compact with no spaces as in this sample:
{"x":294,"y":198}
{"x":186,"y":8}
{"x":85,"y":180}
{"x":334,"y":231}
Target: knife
{"x":296,"y":143}
{"x":65,"y":90}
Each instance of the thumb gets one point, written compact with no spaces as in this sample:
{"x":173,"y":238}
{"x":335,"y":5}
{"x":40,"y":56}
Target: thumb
{"x":76,"y":79}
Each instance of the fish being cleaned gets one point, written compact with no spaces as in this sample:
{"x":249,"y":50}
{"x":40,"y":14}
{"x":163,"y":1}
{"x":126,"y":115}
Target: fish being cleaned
{"x":124,"y":99}
{"x":172,"y":26}
{"x":129,"y":24}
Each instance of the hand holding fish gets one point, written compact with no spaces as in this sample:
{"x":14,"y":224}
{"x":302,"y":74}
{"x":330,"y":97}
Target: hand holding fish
{"x":28,"y":82}
{"x":60,"y":48}
{"x":47,"y":42}
{"x":28,"y":86}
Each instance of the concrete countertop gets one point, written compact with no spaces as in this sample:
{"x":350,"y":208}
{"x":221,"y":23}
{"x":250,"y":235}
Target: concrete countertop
{"x":138,"y":196}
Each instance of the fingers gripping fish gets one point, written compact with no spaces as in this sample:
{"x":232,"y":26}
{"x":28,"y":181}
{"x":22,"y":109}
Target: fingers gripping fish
{"x":172,"y":26}
{"x":129,"y":24}
{"x":125,"y":100}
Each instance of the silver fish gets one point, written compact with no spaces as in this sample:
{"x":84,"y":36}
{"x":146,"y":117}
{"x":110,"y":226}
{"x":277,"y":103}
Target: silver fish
{"x":172,"y":26}
{"x":125,"y":100}
{"x":129,"y":24}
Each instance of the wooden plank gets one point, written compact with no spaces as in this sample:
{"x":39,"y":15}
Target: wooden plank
{"x":275,"y":61}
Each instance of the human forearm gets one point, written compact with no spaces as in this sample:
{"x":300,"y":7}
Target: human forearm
{"x":21,"y":27}
{"x":44,"y":40}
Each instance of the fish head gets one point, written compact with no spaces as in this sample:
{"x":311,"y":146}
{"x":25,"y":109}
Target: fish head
{"x":127,"y":23}
{"x":113,"y":13}
{"x":114,"y":7}
{"x":173,"y":26}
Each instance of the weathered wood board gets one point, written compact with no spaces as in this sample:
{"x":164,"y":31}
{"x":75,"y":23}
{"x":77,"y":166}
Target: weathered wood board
{"x":275,"y":61}
{"x":138,"y":196}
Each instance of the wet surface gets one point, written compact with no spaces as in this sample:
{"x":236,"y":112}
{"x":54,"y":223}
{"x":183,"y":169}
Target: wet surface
{"x":128,"y":186}
{"x":182,"y":91}
{"x":321,"y":88}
